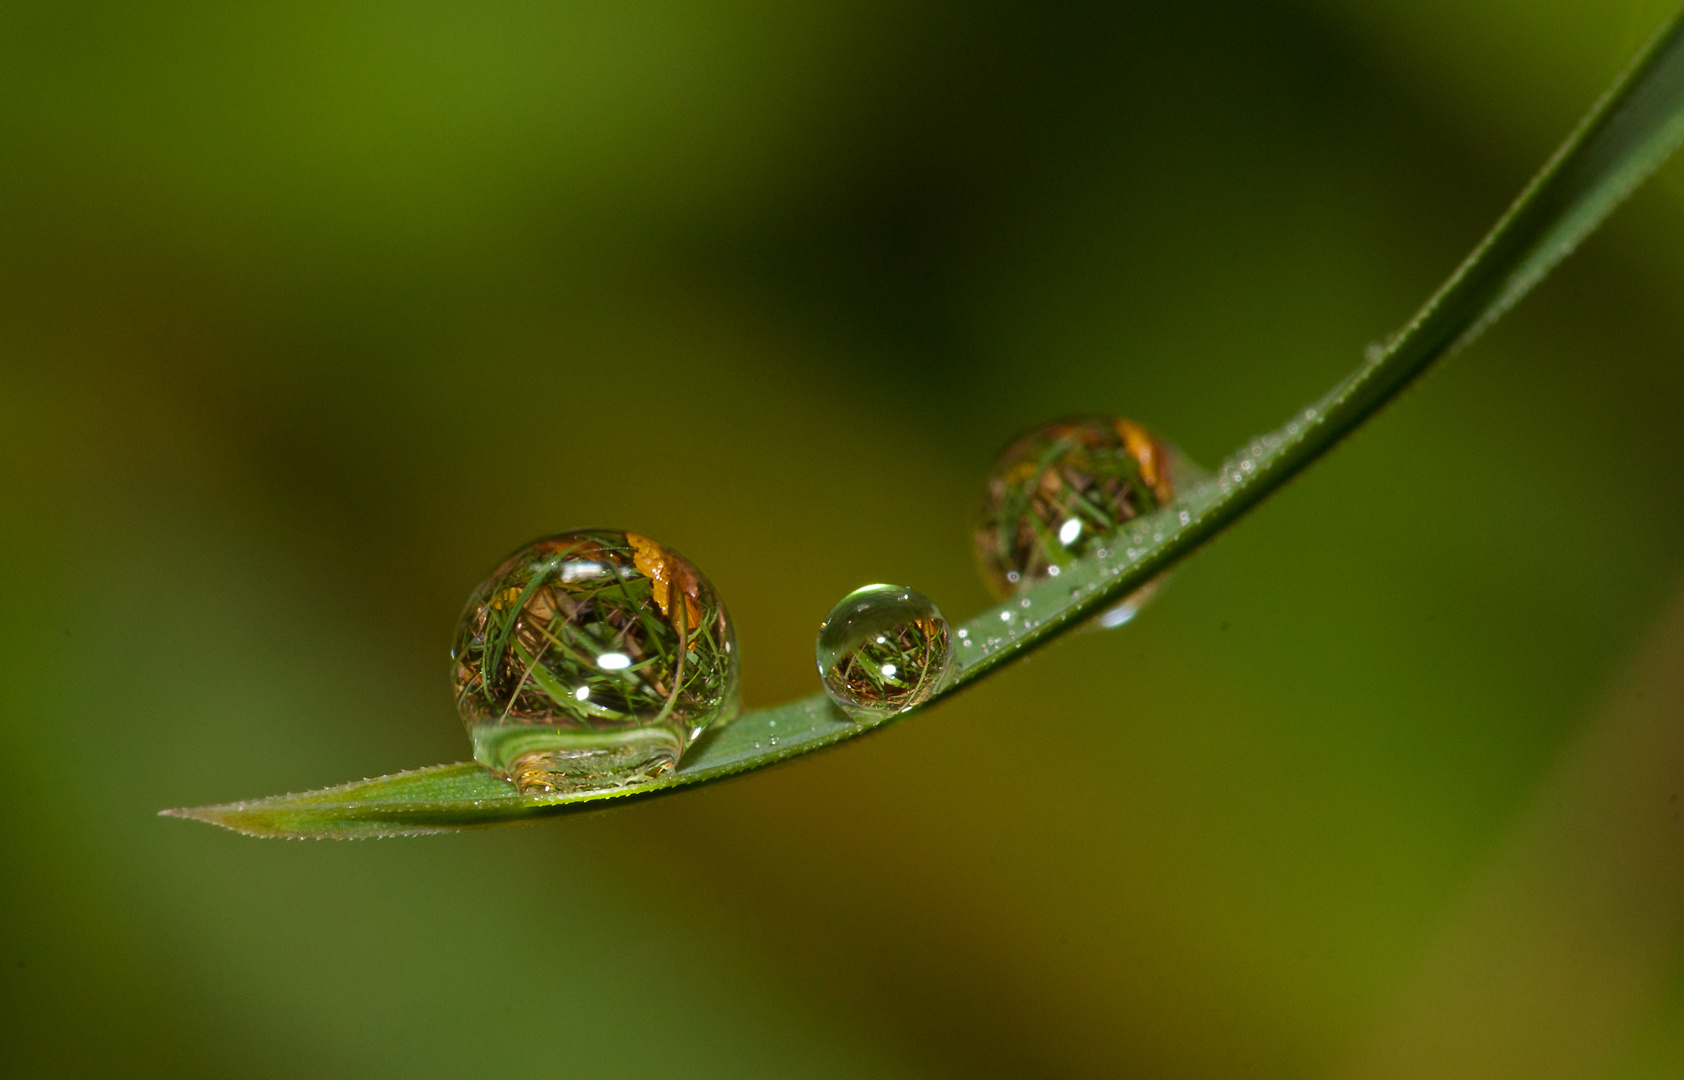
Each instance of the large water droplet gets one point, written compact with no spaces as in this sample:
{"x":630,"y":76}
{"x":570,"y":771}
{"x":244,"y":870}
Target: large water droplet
{"x":592,"y":659}
{"x":1059,"y":490}
{"x":882,"y":650}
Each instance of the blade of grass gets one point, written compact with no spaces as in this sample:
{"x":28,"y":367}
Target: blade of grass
{"x":1626,"y":136}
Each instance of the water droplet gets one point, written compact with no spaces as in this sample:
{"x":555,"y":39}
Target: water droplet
{"x":1125,"y":612}
{"x":1060,"y":488}
{"x":882,"y":650}
{"x":1057,"y":491}
{"x":591,"y":659}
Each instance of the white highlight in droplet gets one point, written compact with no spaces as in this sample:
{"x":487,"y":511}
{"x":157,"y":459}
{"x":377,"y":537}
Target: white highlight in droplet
{"x":1069,"y":531}
{"x":612,"y":661}
{"x":582,"y":693}
{"x":889,"y":671}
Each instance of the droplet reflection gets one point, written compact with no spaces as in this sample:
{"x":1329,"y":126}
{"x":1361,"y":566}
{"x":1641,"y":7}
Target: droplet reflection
{"x":882,"y":650}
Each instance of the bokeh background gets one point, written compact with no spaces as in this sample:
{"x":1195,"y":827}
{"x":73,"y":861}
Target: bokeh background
{"x":311,"y":312}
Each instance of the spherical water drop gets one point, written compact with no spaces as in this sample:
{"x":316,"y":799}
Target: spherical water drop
{"x":1058,"y":491}
{"x":1125,"y":612}
{"x":882,"y":650}
{"x":592,"y":659}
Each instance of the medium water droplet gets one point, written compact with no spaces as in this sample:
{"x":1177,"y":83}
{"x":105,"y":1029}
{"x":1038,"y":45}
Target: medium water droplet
{"x":1059,"y":490}
{"x":591,"y":659}
{"x":882,"y":650}
{"x":1125,"y":612}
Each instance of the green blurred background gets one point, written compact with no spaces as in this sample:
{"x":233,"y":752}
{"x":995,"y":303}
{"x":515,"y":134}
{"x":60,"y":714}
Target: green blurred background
{"x":309,"y":313}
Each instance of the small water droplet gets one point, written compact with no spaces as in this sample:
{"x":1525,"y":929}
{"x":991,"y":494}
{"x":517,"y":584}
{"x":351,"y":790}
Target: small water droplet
{"x":882,"y":650}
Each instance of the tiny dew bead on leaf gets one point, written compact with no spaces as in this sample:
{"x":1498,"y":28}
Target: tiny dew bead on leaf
{"x":592,"y":659}
{"x":882,"y":650}
{"x":1059,"y":489}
